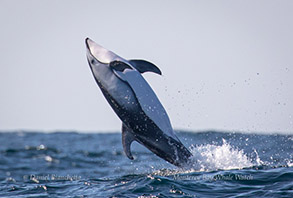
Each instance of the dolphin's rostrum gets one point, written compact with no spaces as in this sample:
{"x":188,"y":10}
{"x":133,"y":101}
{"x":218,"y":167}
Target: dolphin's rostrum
{"x":143,"y":117}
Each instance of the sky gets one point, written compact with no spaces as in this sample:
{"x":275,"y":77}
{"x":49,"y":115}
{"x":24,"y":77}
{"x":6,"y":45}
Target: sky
{"x":227,"y":65}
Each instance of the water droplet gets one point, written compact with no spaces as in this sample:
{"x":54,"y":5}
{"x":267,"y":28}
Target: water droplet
{"x":48,"y":158}
{"x":41,"y":147}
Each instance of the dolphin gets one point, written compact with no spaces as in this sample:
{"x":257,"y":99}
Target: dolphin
{"x":143,"y":117}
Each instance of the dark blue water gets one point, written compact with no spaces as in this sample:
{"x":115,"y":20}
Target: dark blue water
{"x":94,"y":165}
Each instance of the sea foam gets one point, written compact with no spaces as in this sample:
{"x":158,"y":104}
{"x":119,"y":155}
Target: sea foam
{"x":220,"y":157}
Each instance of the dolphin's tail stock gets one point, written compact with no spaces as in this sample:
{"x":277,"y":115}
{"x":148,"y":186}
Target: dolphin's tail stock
{"x":166,"y":147}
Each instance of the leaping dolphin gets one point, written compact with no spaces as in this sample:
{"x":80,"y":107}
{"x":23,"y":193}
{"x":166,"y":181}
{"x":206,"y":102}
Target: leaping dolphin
{"x":143,"y":117}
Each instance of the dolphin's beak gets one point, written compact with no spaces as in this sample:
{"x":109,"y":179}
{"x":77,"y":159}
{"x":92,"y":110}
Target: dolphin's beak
{"x":87,"y":40}
{"x":100,"y":53}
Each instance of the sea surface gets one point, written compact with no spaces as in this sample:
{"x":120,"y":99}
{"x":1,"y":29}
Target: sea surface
{"x":74,"y":164}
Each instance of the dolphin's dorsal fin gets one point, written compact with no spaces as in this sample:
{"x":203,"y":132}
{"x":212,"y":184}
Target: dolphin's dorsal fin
{"x":127,"y":139}
{"x":145,"y":66}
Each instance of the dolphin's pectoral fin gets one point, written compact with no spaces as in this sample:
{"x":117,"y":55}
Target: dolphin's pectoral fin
{"x":145,"y":66}
{"x":127,"y":139}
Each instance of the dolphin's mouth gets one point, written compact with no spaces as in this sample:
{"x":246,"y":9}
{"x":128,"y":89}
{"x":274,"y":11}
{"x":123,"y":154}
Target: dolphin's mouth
{"x":91,"y":57}
{"x":86,"y":43}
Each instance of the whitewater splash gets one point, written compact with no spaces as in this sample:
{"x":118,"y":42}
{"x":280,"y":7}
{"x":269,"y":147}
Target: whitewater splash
{"x":224,"y":157}
{"x":212,"y":157}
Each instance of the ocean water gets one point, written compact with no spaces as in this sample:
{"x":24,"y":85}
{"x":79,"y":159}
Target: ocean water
{"x":94,"y":165}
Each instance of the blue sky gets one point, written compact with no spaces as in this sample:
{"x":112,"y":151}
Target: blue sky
{"x":227,"y":65}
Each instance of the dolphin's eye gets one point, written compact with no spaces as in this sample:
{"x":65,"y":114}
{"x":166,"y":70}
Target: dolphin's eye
{"x":119,"y":66}
{"x":93,"y":61}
